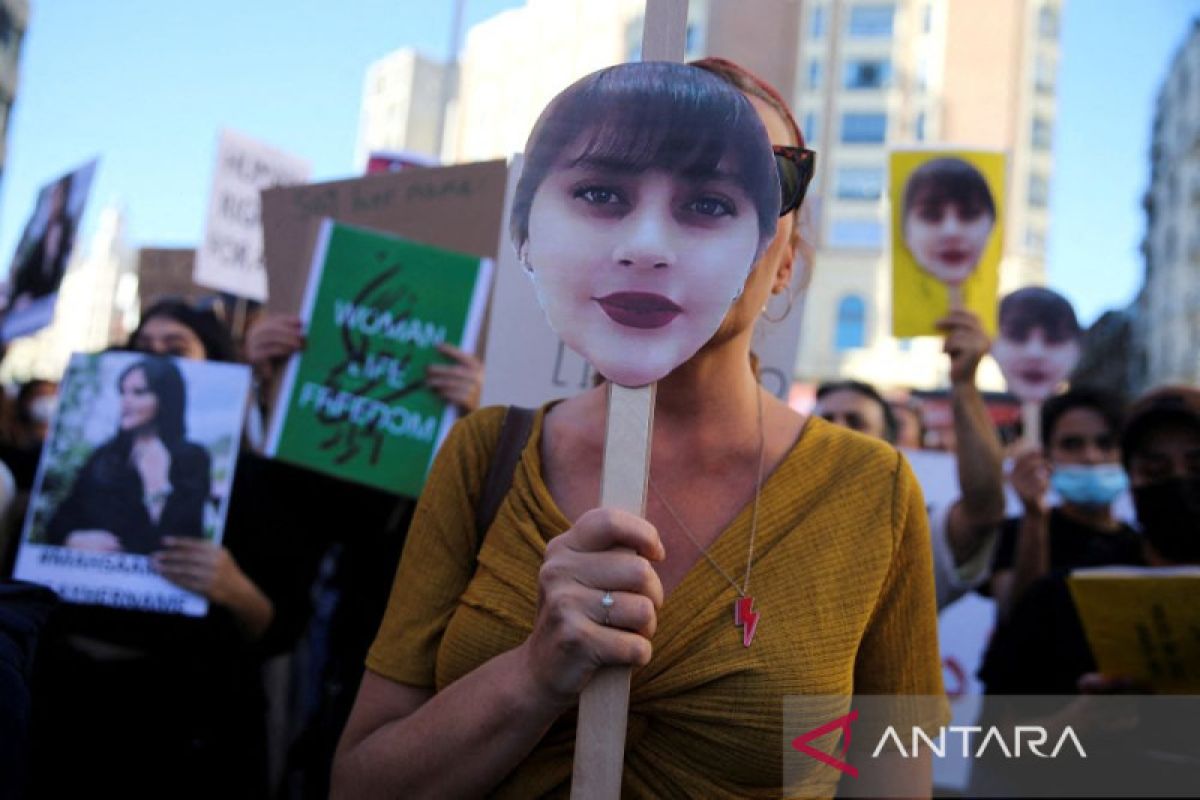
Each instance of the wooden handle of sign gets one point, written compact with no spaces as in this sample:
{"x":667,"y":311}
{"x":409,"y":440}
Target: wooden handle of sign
{"x":1031,"y":422}
{"x":664,"y":34}
{"x":604,"y":704}
{"x":956,"y":296}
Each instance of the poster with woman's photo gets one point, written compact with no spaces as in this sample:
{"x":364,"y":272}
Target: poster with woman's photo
{"x":138,"y":464}
{"x":44,"y":252}
{"x":947,"y":236}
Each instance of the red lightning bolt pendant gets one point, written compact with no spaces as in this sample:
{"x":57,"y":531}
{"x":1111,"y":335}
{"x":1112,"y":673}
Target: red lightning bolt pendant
{"x":745,"y":615}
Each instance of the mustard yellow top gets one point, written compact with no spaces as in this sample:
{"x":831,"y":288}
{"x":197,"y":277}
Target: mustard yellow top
{"x":842,"y":578}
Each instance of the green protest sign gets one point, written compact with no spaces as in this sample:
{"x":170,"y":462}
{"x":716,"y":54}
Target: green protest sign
{"x":354,"y":403}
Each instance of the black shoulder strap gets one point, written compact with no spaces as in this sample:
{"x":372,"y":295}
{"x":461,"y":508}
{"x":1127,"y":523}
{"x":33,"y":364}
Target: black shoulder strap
{"x":514,"y":433}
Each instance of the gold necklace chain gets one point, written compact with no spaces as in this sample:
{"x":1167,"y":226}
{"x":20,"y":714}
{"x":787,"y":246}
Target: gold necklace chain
{"x":745,"y":587}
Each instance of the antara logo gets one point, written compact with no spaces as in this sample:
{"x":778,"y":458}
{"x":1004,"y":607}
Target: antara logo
{"x":841,"y":723}
{"x":1032,"y":737}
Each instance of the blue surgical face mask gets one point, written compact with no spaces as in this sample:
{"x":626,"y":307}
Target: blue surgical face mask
{"x":1089,"y":485}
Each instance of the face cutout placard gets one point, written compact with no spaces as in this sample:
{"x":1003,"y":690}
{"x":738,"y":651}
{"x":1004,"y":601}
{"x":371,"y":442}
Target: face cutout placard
{"x":648,"y":192}
{"x":946,"y":236}
{"x":1039,"y":342}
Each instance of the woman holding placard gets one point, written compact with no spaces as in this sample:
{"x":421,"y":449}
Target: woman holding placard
{"x":137,"y":704}
{"x":778,"y":556}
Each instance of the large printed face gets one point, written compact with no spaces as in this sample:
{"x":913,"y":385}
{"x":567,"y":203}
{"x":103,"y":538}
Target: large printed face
{"x":139,"y":405}
{"x":1036,"y":365}
{"x":636,"y":271}
{"x":947,"y":241}
{"x":648,"y":192}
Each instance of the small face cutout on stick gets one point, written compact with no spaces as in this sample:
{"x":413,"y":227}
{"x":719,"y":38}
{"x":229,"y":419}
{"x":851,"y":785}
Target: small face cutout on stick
{"x":648,"y":192}
{"x":1039,"y":342}
{"x":949,"y":214}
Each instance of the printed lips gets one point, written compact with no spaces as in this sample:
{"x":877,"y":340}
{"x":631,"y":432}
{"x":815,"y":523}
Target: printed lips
{"x":639,"y":309}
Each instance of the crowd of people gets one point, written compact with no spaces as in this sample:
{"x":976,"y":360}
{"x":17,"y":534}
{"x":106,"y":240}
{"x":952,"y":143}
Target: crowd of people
{"x":432,"y":654}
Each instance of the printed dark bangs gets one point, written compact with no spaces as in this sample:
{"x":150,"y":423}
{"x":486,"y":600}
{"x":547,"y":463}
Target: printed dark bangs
{"x":1037,"y":307}
{"x":636,"y":117}
{"x":945,"y":181}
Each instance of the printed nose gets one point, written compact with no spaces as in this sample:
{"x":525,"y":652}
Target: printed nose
{"x":646,"y":243}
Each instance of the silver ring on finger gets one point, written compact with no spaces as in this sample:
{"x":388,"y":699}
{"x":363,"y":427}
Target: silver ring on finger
{"x":607,"y":602}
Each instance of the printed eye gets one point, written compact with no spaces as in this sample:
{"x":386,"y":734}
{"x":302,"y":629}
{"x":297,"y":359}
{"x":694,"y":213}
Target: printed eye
{"x":598,"y":195}
{"x":712,"y":207}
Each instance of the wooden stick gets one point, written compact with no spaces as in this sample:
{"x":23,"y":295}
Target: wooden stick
{"x":604,"y":704}
{"x":664,"y":34}
{"x":956,"y":296}
{"x":1031,"y":422}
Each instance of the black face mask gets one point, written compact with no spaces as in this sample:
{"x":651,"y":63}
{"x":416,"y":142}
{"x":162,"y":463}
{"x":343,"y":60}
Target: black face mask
{"x":1169,"y":514}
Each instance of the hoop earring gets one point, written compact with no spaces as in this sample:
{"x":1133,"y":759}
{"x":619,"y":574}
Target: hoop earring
{"x":781,"y":317}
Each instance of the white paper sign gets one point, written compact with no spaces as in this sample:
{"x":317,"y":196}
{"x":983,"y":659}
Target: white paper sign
{"x":230,"y":256}
{"x":528,"y":365}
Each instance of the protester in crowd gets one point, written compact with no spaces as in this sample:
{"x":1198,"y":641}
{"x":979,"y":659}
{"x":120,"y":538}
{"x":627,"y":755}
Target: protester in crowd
{"x":1080,"y":459}
{"x":35,"y":405}
{"x":23,"y":611}
{"x":963,"y":532}
{"x":357,"y":573}
{"x":857,"y":406}
{"x":471,"y":679}
{"x":146,"y":482}
{"x":1041,"y":648}
{"x":20,"y":451}
{"x":910,"y":423}
{"x":139,"y":704}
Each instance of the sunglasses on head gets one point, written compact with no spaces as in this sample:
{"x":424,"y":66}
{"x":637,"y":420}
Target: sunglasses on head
{"x":795,"y":165}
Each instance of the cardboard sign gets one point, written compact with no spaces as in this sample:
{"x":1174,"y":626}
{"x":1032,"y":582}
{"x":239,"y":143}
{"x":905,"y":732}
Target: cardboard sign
{"x":44,"y":252}
{"x":1039,"y":343}
{"x":230,"y":257}
{"x":947,"y":236}
{"x":142,"y":447}
{"x":166,"y":272}
{"x":353,"y":403}
{"x":384,"y":161}
{"x":456,"y":208}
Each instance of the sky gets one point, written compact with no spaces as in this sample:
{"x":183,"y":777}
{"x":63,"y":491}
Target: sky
{"x":146,"y":85}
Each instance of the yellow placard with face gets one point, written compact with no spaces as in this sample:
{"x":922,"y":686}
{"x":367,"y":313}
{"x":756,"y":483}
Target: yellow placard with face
{"x":947,"y":236}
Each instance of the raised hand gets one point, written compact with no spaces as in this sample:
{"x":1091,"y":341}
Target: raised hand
{"x":459,"y":383}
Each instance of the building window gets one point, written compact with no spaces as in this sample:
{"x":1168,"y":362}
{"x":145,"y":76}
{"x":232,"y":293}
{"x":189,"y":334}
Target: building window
{"x":816,"y":22}
{"x":864,"y":234}
{"x":870,"y":21}
{"x":1048,"y":23}
{"x":859,"y":183}
{"x":1043,"y":75}
{"x":814,"y":73}
{"x":927,"y":18}
{"x":922,"y":73}
{"x":810,"y":128}
{"x":1043,"y":134}
{"x":1039,"y":191}
{"x":858,"y":128}
{"x":919,"y":127}
{"x":867,"y":74}
{"x":851,"y":330}
{"x":1035,"y":239}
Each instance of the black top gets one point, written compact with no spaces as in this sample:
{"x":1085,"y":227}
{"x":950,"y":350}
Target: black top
{"x":186,"y":694}
{"x":108,"y":495}
{"x":1072,"y":544}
